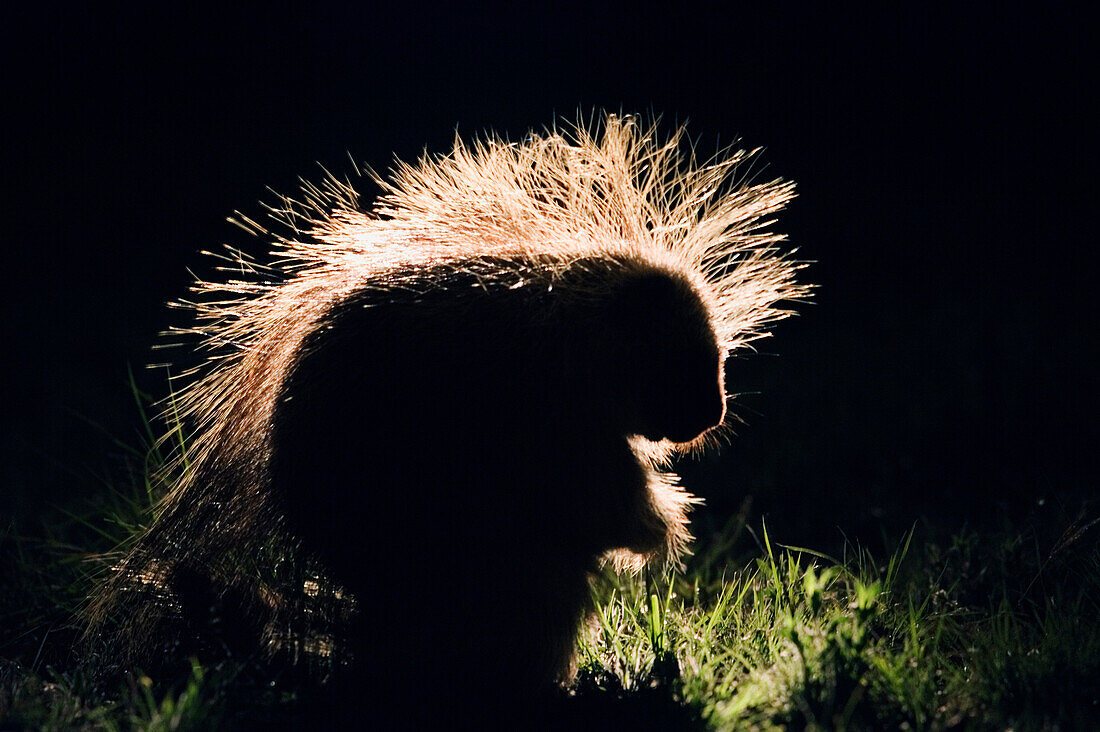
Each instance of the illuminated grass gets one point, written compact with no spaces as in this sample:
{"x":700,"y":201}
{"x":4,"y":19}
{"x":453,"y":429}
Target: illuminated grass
{"x":788,"y":640}
{"x":795,"y":639}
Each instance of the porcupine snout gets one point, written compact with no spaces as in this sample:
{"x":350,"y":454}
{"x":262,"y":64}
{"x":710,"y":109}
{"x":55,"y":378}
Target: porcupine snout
{"x":702,"y":402}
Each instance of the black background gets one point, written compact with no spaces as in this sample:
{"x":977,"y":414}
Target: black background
{"x":944,"y":163}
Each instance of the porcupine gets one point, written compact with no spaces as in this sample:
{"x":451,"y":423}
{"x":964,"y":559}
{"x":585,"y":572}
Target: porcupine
{"x":464,"y":398}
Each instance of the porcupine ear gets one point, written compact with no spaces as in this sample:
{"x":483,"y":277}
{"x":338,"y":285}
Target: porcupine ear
{"x":668,"y":356}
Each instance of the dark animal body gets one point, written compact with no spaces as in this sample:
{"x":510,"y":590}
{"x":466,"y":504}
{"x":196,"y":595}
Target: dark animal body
{"x":461,"y":407}
{"x":481,"y":437}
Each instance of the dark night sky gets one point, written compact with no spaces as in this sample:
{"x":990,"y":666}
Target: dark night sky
{"x":941,"y":159}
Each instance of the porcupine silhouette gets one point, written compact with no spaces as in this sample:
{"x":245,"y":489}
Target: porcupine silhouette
{"x":462,"y":399}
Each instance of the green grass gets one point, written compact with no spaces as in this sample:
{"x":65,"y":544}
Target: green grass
{"x":998,"y":630}
{"x":790,"y":639}
{"x":796,"y":639}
